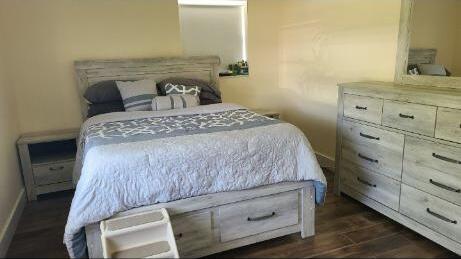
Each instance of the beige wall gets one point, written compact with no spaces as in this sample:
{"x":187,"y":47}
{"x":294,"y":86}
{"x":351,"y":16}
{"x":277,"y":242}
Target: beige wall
{"x":10,"y":179}
{"x":435,"y":25}
{"x":300,"y":49}
{"x":44,"y":37}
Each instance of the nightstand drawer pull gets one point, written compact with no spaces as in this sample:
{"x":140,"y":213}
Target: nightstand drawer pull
{"x":405,"y":116}
{"x":366,"y":183}
{"x":446,"y":159}
{"x":368,"y":159}
{"x":443,"y":186}
{"x":361,"y":107}
{"x":57,"y":168}
{"x":262,"y":217}
{"x":368,"y":136}
{"x":441,"y":217}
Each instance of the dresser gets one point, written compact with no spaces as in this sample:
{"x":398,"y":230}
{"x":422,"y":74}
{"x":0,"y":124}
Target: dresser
{"x":399,"y":152}
{"x":47,"y":161}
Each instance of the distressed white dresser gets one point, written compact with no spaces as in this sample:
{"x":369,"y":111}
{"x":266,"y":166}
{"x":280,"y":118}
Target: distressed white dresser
{"x":399,"y":152}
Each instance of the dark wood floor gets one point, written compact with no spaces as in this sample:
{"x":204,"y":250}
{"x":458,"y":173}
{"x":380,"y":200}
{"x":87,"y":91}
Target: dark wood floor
{"x":344,"y":228}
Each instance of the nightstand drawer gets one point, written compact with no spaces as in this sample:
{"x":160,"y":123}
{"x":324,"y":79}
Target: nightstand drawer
{"x":410,"y":117}
{"x":437,"y":214}
{"x":363,"y":108}
{"x":53,"y":173}
{"x":448,"y":124}
{"x":375,"y":186}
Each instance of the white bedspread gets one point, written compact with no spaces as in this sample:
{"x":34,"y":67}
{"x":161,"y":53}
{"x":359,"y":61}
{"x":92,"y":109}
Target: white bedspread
{"x":118,"y":177}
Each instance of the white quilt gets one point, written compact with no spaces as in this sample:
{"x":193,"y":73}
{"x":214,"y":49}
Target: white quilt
{"x":117,"y":177}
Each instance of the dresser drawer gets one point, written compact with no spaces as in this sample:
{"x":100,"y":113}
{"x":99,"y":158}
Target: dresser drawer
{"x":53,"y":173}
{"x":410,"y":117}
{"x":192,"y":232}
{"x":375,"y":186}
{"x":448,"y":124}
{"x":434,"y":168}
{"x":435,"y":213}
{"x":259,"y":215}
{"x":363,"y":108}
{"x":373,"y":148}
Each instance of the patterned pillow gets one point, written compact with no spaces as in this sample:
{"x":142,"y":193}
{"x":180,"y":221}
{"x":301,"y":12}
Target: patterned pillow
{"x":137,"y":95}
{"x":174,"y":101}
{"x":182,"y":89}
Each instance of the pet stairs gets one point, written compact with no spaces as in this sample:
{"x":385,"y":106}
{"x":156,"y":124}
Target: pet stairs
{"x":143,"y":235}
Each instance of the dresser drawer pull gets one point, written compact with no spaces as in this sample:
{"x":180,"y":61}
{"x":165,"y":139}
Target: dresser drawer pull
{"x":441,"y":217}
{"x":446,"y":159}
{"x":361,"y":107}
{"x":366,"y":183}
{"x":368,"y":136}
{"x":443,"y":186}
{"x":406,"y":116}
{"x":368,"y":159}
{"x":57,"y":168}
{"x":262,"y":217}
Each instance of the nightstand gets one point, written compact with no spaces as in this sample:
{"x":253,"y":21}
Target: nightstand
{"x":47,"y":161}
{"x":267,"y":113}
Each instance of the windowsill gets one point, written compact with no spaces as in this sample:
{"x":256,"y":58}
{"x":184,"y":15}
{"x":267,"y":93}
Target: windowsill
{"x":233,"y":76}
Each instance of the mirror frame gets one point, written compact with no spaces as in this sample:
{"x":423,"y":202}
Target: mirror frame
{"x":403,"y":49}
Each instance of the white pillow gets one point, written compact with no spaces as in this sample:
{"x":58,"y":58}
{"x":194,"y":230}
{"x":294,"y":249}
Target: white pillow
{"x":137,"y":95}
{"x":174,"y":101}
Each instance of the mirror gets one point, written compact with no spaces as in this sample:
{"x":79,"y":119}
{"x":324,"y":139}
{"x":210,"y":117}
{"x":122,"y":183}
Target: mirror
{"x":435,"y":38}
{"x":430,"y":43}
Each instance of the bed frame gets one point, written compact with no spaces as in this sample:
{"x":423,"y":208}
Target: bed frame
{"x":212,"y":223}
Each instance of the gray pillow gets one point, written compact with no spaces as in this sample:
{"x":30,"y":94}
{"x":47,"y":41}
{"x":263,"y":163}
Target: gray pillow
{"x":208,"y":92}
{"x":182,"y":89}
{"x":103,"y":92}
{"x":137,"y":95}
{"x":174,"y":101}
{"x":102,"y":108}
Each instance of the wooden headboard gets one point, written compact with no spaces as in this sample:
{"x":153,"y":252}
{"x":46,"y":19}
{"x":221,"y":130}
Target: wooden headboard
{"x":422,"y":56}
{"x":90,"y":72}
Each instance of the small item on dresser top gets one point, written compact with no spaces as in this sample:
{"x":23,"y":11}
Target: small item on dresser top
{"x":174,"y":101}
{"x":137,"y":95}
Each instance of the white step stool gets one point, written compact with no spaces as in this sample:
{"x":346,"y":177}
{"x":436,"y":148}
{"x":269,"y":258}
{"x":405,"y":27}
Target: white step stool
{"x":143,"y":235}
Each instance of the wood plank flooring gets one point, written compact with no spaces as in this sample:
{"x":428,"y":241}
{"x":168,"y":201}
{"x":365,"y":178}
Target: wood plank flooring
{"x":345,"y":228}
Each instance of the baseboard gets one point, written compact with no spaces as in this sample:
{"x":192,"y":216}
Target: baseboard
{"x":326,"y":161}
{"x":6,"y":236}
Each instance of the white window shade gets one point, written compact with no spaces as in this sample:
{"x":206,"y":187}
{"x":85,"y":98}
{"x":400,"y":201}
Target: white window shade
{"x":214,"y":30}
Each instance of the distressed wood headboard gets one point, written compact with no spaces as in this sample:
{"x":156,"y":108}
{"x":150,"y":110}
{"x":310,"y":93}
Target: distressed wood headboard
{"x":90,"y":72}
{"x":422,"y":56}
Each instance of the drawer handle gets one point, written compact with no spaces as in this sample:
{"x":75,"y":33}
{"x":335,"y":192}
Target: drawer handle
{"x":406,"y":116}
{"x":361,"y":107}
{"x":262,"y":217}
{"x":441,"y":217}
{"x":443,"y":186}
{"x":446,"y":159}
{"x":368,"y":159}
{"x":368,"y":136}
{"x":178,"y":236}
{"x":58,"y":168}
{"x":366,"y":183}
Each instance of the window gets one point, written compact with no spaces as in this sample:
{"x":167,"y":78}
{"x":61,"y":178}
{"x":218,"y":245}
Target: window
{"x":216,"y":27}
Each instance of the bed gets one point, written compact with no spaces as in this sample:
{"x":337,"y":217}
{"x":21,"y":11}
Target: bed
{"x":227,"y":176}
